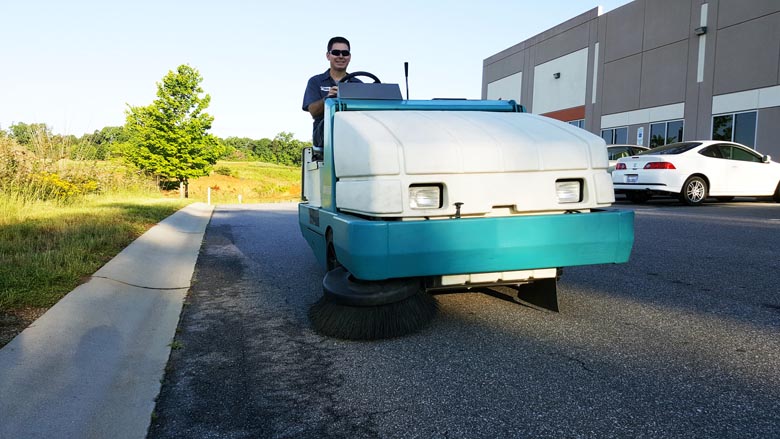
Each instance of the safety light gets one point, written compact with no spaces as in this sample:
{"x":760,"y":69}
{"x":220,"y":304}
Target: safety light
{"x":425,"y":197}
{"x":659,"y":165}
{"x":620,"y":166}
{"x":569,"y":191}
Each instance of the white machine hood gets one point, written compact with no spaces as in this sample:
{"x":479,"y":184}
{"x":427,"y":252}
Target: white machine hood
{"x":374,"y":143}
{"x":484,"y":161}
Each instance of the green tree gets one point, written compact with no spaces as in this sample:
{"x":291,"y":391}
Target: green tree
{"x":239,"y":148}
{"x":170,"y":138}
{"x":287,"y":150}
{"x":26,"y":134}
{"x":100,"y":144}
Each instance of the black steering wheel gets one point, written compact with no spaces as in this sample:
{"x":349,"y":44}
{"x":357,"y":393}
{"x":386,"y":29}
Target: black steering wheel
{"x":366,"y":74}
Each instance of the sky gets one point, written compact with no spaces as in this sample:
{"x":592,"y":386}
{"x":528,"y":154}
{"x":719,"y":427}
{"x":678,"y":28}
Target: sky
{"x":77,"y":65}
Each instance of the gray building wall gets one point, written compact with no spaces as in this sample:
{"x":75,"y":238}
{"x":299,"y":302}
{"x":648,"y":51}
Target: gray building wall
{"x":648,"y":57}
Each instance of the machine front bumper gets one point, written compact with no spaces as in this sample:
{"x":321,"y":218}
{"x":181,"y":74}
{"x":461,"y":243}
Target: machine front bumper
{"x":374,"y":250}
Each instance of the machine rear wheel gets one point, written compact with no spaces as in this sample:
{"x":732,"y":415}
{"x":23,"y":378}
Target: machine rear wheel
{"x":331,"y":260}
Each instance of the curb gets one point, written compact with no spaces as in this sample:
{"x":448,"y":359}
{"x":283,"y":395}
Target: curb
{"x":91,"y":366}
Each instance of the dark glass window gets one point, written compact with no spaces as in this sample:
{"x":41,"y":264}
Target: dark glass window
{"x":674,"y":148}
{"x":607,"y":136}
{"x":615,"y":136}
{"x":725,"y":151}
{"x":578,"y":123}
{"x":738,"y":153}
{"x":618,"y":152}
{"x":657,"y":134}
{"x":712,"y":151}
{"x":737,"y":127}
{"x":621,"y":135}
{"x":745,"y":128}
{"x":674,"y":131}
{"x":666,"y":132}
{"x":722,"y":127}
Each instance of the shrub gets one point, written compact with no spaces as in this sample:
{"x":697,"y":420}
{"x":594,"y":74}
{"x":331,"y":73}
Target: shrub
{"x":223,"y":170}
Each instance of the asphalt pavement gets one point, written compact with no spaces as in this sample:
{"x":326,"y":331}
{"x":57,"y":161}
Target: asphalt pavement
{"x":683,"y":341}
{"x":91,"y":366}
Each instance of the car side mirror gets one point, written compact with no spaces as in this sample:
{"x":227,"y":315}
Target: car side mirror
{"x":766,"y":158}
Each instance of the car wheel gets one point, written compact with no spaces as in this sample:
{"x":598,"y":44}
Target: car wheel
{"x":776,"y":196}
{"x":724,"y":199}
{"x":638,"y":197}
{"x":694,"y":191}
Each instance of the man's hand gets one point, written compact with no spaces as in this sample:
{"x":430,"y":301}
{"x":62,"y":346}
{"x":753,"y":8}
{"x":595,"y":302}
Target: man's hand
{"x":317,"y":108}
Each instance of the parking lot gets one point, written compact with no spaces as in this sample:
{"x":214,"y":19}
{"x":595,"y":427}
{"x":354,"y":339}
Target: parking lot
{"x":682,"y":341}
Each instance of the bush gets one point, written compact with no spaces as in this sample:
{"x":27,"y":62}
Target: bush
{"x":53,"y":186}
{"x":28,"y":177}
{"x":223,"y":170}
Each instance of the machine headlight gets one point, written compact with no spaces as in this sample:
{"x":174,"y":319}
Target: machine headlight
{"x":569,"y":191}
{"x":425,"y":197}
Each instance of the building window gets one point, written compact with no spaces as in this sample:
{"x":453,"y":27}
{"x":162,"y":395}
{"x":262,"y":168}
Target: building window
{"x":663,"y":133}
{"x":615,"y":136}
{"x":578,"y":123}
{"x":736,"y":127}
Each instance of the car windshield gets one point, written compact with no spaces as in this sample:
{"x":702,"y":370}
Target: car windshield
{"x":672,"y":148}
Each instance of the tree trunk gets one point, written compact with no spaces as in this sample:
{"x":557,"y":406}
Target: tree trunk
{"x":181,"y":189}
{"x":186,"y":188}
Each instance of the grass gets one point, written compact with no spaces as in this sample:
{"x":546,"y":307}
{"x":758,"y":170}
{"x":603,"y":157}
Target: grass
{"x":256,"y":182}
{"x":61,"y":220}
{"x":47,"y":249}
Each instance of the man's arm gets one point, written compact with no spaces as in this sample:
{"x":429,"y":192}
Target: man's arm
{"x":317,"y":108}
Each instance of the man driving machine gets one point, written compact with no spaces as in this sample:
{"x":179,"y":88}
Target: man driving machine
{"x":325,"y":85}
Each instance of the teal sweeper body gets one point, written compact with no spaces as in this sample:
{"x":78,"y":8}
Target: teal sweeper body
{"x":408,"y":197}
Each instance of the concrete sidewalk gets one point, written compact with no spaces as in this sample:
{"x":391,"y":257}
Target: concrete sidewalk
{"x":91,"y":366}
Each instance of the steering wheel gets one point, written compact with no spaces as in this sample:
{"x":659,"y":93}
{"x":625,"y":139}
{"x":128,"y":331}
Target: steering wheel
{"x":366,"y":74}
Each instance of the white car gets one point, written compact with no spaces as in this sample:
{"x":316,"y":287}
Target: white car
{"x":696,"y":170}
{"x":615,"y":152}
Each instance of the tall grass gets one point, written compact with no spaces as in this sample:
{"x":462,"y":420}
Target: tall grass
{"x":41,"y":171}
{"x":60,"y":220}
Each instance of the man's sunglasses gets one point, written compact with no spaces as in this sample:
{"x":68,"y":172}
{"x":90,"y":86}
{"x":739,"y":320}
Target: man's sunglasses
{"x":336,"y":52}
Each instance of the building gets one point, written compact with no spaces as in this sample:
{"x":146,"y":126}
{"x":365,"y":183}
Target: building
{"x":653,"y":72}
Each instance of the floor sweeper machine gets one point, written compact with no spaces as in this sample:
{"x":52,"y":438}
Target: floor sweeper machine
{"x":408,"y":197}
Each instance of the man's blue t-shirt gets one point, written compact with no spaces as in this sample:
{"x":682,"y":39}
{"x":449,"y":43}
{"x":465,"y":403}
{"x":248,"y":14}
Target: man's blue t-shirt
{"x":317,"y":88}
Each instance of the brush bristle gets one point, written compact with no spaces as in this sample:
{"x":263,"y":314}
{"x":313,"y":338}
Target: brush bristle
{"x":373,"y":322}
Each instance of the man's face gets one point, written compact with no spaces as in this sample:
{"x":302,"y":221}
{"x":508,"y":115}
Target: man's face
{"x":340,"y":61}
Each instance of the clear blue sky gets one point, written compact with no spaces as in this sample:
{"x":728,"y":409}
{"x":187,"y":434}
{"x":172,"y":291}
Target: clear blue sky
{"x":75,"y":65}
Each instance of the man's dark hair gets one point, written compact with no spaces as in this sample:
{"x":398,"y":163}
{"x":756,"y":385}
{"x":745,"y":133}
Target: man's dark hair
{"x":335,"y":40}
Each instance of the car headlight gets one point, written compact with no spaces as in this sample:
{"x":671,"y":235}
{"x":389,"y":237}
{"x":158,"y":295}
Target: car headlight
{"x":425,"y":196}
{"x":569,"y":191}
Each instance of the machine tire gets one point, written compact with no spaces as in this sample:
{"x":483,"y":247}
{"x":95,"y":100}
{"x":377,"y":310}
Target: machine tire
{"x":637,"y":197}
{"x":694,"y":191}
{"x":331,"y":261}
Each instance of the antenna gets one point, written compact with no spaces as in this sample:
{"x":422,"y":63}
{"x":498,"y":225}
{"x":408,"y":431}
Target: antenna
{"x":406,"y":76}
